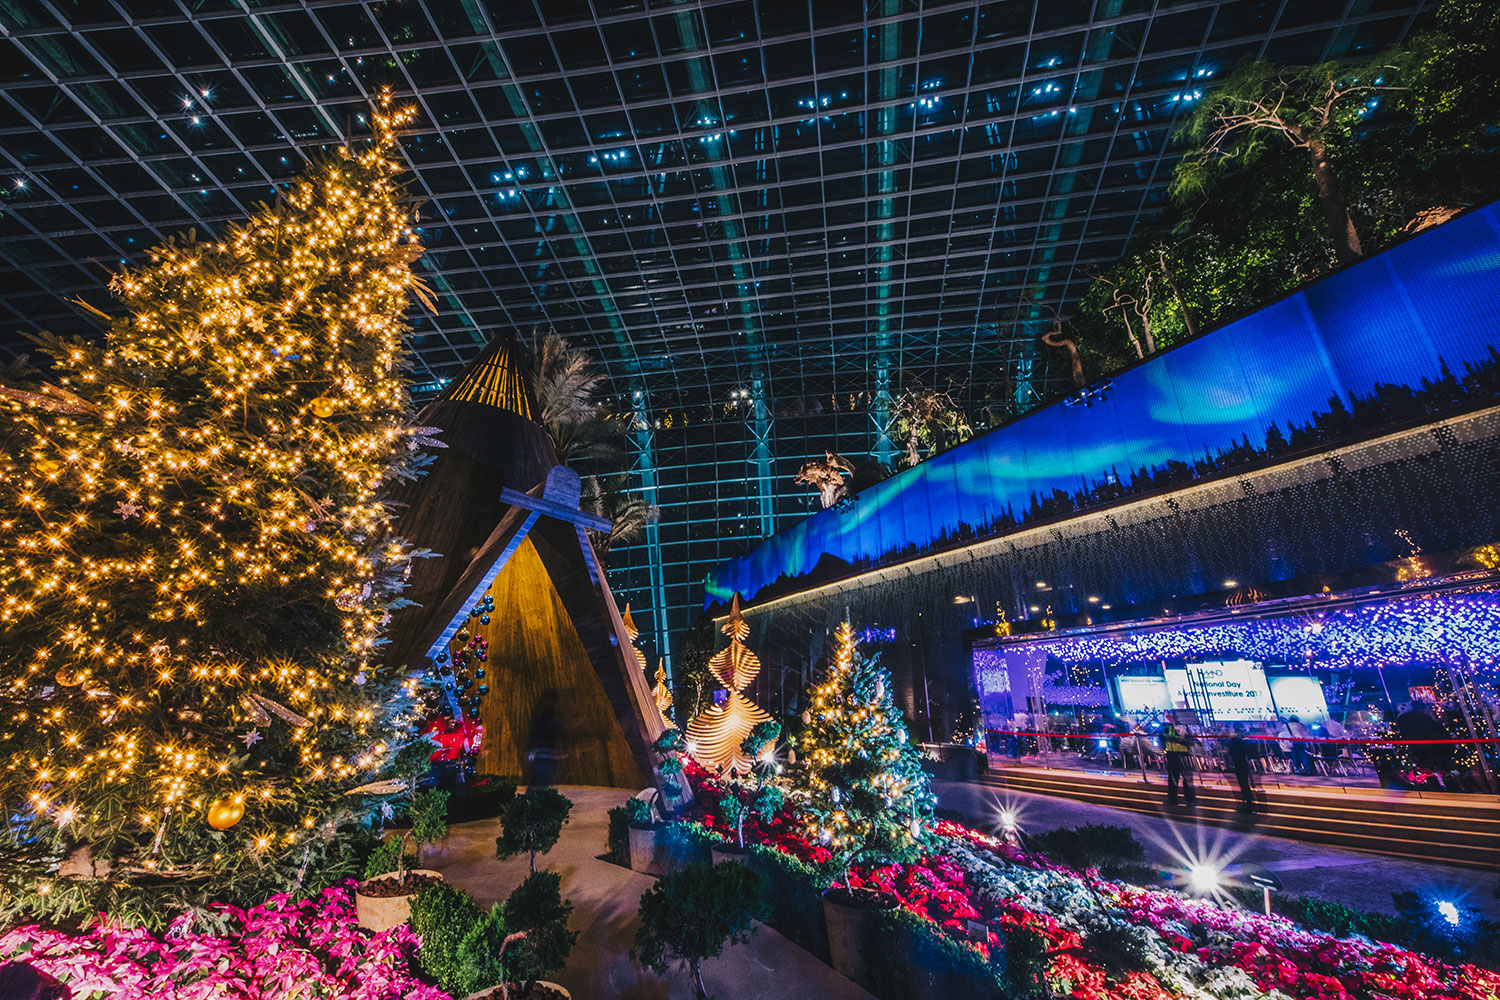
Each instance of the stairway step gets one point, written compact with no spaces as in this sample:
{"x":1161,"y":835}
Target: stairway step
{"x":1355,"y":822}
{"x":1352,"y":820}
{"x":1485,"y":813}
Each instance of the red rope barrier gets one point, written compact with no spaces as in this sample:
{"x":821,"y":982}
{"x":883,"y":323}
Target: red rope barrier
{"x":1268,"y":739}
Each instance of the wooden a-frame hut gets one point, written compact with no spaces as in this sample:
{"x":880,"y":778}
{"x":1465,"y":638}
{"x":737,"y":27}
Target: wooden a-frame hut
{"x":502,"y":516}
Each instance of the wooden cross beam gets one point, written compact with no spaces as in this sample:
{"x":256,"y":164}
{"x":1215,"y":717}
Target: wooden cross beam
{"x":560,"y":498}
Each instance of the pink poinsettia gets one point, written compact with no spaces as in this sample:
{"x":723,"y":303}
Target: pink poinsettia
{"x":1307,"y":965}
{"x":281,"y":948}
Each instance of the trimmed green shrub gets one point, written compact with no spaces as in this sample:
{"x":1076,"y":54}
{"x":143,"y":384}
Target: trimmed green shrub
{"x":1417,"y":925}
{"x":485,"y":797}
{"x":382,"y":860}
{"x":532,"y":823}
{"x":1461,"y":935}
{"x":686,"y":843}
{"x":429,"y":818}
{"x":638,"y":812}
{"x":413,"y":761}
{"x":520,"y":940}
{"x":443,"y":915}
{"x":691,"y":915}
{"x":794,"y":898}
{"x":1113,"y":850}
{"x":617,"y":844}
{"x":911,"y":957}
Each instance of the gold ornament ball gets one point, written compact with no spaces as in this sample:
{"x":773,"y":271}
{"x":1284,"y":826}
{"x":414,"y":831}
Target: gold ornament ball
{"x":48,"y":466}
{"x":68,"y":678}
{"x":323,"y":407}
{"x":224,"y":813}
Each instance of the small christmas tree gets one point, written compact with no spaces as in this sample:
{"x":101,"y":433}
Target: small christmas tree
{"x":196,"y":565}
{"x":864,"y":794}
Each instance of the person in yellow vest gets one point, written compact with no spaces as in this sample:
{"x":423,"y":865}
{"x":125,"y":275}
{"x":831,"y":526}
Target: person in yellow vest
{"x":1176,"y":743}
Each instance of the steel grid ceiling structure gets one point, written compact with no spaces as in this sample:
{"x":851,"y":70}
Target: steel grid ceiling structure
{"x":767,"y":217}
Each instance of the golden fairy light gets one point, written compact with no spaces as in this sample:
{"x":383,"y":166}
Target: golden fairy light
{"x":862,"y":788}
{"x":192,"y":516}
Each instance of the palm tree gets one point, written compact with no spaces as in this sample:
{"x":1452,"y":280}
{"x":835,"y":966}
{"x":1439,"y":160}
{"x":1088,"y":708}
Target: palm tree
{"x":567,"y":385}
{"x":584,"y":430}
{"x":627,"y":513}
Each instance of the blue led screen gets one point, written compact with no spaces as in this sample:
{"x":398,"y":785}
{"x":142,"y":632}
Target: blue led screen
{"x":1411,"y":332}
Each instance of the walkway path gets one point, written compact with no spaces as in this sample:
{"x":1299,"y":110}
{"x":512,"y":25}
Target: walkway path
{"x":1353,"y":878}
{"x":605,"y":898}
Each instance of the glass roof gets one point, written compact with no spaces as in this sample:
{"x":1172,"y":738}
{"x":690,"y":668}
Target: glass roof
{"x":761,"y":215}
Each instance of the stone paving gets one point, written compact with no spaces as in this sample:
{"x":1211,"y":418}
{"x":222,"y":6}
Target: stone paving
{"x":605,"y":898}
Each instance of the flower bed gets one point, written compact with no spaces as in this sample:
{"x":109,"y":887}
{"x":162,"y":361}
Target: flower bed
{"x":1092,"y":939}
{"x":281,"y":948}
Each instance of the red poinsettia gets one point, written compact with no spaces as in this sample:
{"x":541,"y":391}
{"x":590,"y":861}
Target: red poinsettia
{"x":1274,"y":952}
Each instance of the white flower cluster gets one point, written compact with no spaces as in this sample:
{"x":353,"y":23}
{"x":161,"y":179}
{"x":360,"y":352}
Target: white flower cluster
{"x":1087,"y":910}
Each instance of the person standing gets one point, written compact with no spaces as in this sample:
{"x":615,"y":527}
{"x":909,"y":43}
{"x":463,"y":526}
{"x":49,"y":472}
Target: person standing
{"x":542,"y":741}
{"x":1238,"y":750}
{"x":1297,"y":744}
{"x":1332,"y":752}
{"x":1177,"y":743}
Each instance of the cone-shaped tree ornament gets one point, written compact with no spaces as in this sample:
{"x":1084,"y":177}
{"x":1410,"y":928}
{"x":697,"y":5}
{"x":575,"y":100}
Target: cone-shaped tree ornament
{"x":634,"y":635}
{"x":661,"y":692}
{"x":714,"y":737}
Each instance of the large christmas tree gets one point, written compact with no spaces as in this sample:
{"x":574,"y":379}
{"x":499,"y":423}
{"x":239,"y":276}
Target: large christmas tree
{"x":863,"y":792}
{"x":195,"y":566}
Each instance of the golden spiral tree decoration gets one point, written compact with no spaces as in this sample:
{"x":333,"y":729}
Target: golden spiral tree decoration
{"x":715,"y":735}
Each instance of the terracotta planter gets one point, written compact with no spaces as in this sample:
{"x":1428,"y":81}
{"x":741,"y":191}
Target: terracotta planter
{"x":493,"y":993}
{"x":648,"y":849}
{"x":729,"y":853}
{"x":851,"y":934}
{"x":379,"y":913}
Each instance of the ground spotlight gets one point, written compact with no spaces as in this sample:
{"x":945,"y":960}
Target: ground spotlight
{"x":1203,"y":879}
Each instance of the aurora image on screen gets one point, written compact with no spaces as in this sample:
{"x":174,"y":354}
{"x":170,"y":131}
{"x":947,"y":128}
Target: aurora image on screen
{"x":1409,"y":332}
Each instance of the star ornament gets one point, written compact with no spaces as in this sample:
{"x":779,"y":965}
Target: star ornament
{"x":251,"y":738}
{"x":127,"y":509}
